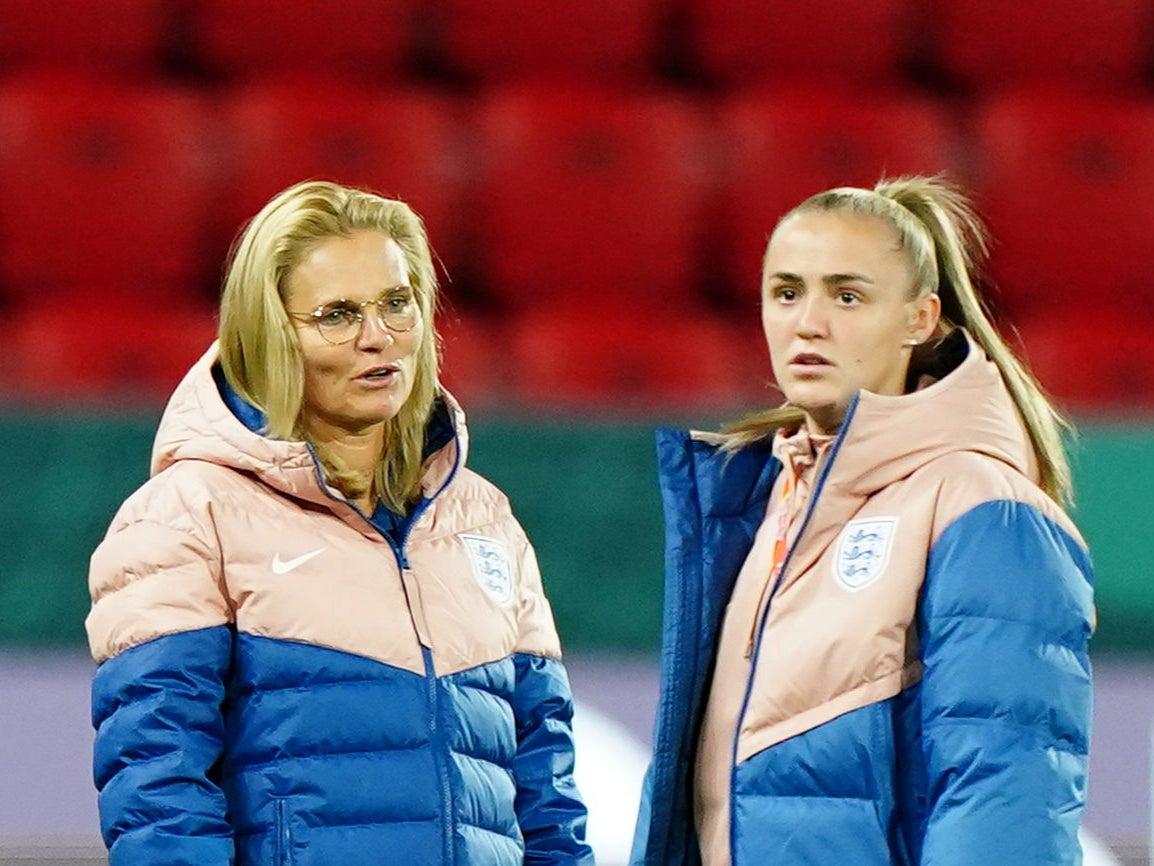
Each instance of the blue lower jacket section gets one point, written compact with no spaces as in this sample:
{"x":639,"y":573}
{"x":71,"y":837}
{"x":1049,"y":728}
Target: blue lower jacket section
{"x":983,"y":761}
{"x":216,"y":748}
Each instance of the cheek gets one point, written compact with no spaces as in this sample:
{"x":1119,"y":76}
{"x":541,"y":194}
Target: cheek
{"x":776,"y":334}
{"x":322,"y":371}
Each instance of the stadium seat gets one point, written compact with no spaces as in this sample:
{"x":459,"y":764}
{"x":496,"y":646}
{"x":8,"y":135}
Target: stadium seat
{"x":511,"y":40}
{"x":474,"y":359}
{"x":855,"y":43}
{"x":997,"y":44}
{"x":782,"y":147}
{"x":362,"y":41}
{"x":588,"y":194}
{"x":113,"y":38}
{"x":1067,"y":185}
{"x":616,"y":356}
{"x":103,"y":187}
{"x":1093,"y":360}
{"x":83,"y":347}
{"x":402,"y":145}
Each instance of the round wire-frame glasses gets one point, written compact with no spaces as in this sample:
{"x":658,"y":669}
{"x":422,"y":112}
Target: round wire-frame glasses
{"x":341,"y":320}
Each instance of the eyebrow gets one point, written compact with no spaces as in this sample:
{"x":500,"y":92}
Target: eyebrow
{"x":829,"y":279}
{"x":385,"y":293}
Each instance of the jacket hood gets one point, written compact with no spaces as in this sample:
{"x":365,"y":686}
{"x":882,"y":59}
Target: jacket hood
{"x":969,"y":408}
{"x":198,"y":424}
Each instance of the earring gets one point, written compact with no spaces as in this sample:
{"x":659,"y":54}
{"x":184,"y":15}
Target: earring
{"x":912,"y":342}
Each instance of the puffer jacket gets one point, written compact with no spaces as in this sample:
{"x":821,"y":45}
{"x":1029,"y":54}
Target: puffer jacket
{"x":918,"y":689}
{"x":281,"y":681}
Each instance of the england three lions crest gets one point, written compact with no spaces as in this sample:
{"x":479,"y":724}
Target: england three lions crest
{"x":491,"y":567}
{"x":863,"y":551}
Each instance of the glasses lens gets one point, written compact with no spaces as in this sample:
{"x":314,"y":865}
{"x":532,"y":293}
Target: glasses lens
{"x":337,"y":324}
{"x":400,"y":320}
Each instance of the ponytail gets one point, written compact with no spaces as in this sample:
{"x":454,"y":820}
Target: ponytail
{"x":959,"y":247}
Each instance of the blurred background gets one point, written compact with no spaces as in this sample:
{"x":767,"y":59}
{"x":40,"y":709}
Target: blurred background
{"x":599,"y":180}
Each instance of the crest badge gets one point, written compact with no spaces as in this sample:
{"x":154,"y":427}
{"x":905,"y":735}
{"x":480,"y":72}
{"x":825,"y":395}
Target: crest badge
{"x":490,"y":566}
{"x":863,"y":551}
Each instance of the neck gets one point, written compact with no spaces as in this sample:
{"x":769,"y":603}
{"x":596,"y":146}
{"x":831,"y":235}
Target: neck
{"x":358,"y":450}
{"x":823,"y":423}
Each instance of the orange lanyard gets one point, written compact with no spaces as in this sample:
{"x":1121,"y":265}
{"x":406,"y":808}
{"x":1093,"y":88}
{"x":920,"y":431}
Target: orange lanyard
{"x":781,"y":543}
{"x":780,"y":547}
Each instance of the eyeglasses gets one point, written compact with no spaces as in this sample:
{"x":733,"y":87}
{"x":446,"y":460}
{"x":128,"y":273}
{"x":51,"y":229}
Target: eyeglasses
{"x":340,"y":321}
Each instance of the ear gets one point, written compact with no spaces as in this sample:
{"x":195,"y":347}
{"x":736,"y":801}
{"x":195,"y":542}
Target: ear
{"x":924,"y":315}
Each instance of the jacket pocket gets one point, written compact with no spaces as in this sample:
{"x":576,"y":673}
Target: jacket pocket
{"x":282,"y":833}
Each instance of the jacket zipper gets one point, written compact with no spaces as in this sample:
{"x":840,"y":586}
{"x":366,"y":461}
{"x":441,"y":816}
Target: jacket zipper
{"x":436,"y":734}
{"x":764,"y":614}
{"x":283,"y":844}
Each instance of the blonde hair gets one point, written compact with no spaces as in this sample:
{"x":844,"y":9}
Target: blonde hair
{"x":259,"y":349}
{"x":946,"y":243}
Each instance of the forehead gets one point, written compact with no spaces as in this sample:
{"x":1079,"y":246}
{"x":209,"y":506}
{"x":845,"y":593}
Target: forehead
{"x":833,"y":242}
{"x":358,"y":266}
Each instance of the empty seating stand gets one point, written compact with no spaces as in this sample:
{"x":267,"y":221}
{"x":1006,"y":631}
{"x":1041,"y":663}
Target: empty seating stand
{"x":847,"y":43}
{"x":102,"y":187}
{"x":990,"y":45}
{"x":119,"y":39}
{"x":1067,"y":183}
{"x":588,"y":194}
{"x":779,"y":147}
{"x":608,"y":41}
{"x":361,"y":41}
{"x":397,"y":142}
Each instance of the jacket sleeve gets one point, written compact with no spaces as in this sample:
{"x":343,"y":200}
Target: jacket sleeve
{"x":1004,"y":623}
{"x":159,"y":630}
{"x":550,"y":811}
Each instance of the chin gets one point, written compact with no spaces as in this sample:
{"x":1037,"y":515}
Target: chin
{"x":825,"y":414}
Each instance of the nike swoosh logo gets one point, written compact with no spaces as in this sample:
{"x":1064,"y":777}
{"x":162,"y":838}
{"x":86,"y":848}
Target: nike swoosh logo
{"x":284,"y":566}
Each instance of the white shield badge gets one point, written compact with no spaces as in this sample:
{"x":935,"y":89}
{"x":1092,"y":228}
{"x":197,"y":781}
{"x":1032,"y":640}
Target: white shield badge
{"x":863,"y":551}
{"x":490,"y":566}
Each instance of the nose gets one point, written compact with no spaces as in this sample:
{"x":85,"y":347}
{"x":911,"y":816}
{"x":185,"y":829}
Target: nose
{"x":812,"y":318}
{"x":373,"y":334}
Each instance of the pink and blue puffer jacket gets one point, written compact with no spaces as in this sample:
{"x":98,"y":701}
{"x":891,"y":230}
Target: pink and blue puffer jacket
{"x":918,"y":685}
{"x":283,"y":681}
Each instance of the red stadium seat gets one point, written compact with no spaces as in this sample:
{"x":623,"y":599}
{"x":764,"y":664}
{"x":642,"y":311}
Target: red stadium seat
{"x":617,"y":356}
{"x":995,"y":44}
{"x":83,"y":346}
{"x":783,"y":147}
{"x":845,"y":42}
{"x":359,"y":40}
{"x":1068,"y":191}
{"x":510,"y":40}
{"x":588,"y":194}
{"x":101,"y":187}
{"x":401,"y":145}
{"x":474,"y":359}
{"x":117,"y":38}
{"x":1093,"y":360}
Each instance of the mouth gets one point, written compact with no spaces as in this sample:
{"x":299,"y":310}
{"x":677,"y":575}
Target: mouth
{"x":810,"y":359}
{"x":380,"y":375}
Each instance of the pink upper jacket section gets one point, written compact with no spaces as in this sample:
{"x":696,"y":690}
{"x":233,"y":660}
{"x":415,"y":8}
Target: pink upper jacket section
{"x":235,"y":528}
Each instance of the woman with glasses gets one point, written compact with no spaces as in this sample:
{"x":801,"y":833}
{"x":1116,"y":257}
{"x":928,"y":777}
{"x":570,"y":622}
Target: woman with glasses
{"x":322,"y":638}
{"x":877,"y":612}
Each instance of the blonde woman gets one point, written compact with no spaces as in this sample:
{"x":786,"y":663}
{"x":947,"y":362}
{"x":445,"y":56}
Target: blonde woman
{"x":877,"y":612}
{"x":321,"y":638}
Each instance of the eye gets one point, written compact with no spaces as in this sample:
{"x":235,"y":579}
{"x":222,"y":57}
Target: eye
{"x":785,"y":294}
{"x":399,"y":302}
{"x":848,"y":298}
{"x":336,"y":314}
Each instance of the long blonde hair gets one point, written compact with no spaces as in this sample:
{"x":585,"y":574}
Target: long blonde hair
{"x":259,"y":349}
{"x":946,"y":244}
